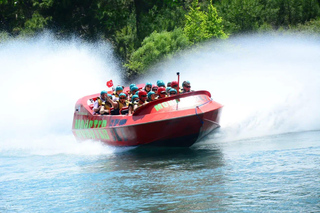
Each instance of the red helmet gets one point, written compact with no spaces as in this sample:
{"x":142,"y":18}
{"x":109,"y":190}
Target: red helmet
{"x":142,"y":93}
{"x":161,"y":89}
{"x":174,"y":83}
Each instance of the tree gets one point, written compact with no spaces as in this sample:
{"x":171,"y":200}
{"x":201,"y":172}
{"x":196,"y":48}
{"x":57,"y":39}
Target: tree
{"x":201,"y":25}
{"x":154,"y":48}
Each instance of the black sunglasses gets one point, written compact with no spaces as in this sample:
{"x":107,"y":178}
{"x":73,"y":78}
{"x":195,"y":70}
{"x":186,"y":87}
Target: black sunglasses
{"x":143,"y":96}
{"x":123,"y":98}
{"x":187,"y":86}
{"x":172,"y":93}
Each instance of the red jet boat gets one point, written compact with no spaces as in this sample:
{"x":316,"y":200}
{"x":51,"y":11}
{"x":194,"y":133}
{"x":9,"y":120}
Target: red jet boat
{"x":177,"y":121}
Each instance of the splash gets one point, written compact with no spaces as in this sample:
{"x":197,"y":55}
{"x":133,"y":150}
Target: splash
{"x":41,"y":80}
{"x":268,"y":85}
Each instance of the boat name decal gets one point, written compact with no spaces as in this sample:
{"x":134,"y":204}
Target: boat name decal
{"x":87,"y":124}
{"x":164,"y":105}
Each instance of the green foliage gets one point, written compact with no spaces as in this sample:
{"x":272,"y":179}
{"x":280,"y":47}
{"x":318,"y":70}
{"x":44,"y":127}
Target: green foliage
{"x":4,"y":36}
{"x":36,"y":24}
{"x":311,"y":27}
{"x":131,"y":25}
{"x":242,"y":16}
{"x":156,"y":47}
{"x":201,"y":25}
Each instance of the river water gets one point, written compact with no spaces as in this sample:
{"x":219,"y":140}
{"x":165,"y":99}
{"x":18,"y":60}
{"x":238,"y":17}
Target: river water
{"x":264,"y":158}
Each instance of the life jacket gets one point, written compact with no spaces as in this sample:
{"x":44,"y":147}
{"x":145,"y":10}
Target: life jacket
{"x":115,"y":96}
{"x":107,"y":105}
{"x":120,"y":106}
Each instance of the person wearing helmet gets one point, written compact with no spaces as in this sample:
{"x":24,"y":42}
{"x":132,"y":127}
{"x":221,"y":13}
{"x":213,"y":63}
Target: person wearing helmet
{"x":160,"y":83}
{"x":148,"y":86}
{"x":186,"y":87}
{"x":162,"y":92}
{"x":142,"y":99}
{"x":169,"y":84}
{"x":151,"y":96}
{"x":155,"y":88}
{"x":173,"y":91}
{"x":118,"y":105}
{"x":115,"y":96}
{"x":106,"y":106}
{"x":134,"y":101}
{"x":99,"y":102}
{"x":168,"y":90}
{"x":175,"y":85}
{"x":133,"y":90}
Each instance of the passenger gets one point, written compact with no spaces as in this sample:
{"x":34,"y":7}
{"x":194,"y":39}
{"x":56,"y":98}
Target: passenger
{"x":131,"y":85}
{"x":169,"y":84}
{"x":142,"y":99}
{"x":105,"y":107}
{"x":115,"y":96}
{"x":155,"y":88}
{"x":134,"y":101}
{"x":162,"y":92}
{"x":98,"y":103}
{"x":151,"y":96}
{"x":186,"y":87}
{"x":168,"y":90}
{"x":175,"y":85}
{"x":148,"y":86}
{"x":133,"y":90}
{"x":160,"y":83}
{"x":118,"y":105}
{"x":173,"y":92}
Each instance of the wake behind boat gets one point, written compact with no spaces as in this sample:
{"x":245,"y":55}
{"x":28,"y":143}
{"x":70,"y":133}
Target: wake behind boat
{"x":176,"y":121}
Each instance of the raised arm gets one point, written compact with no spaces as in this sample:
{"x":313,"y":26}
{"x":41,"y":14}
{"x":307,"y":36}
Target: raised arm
{"x":114,"y":104}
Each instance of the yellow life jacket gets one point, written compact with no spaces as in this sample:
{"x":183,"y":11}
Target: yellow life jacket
{"x":121,"y":105}
{"x":107,"y":105}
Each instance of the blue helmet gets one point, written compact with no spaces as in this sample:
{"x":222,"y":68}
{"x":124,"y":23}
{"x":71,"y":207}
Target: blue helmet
{"x":133,"y":97}
{"x":131,"y":85}
{"x":103,"y":92}
{"x":168,"y":89}
{"x":148,"y":84}
{"x":119,"y":88}
{"x":134,"y":88}
{"x":173,"y":90}
{"x":110,"y":96}
{"x":150,"y":93}
{"x":160,"y":83}
{"x":122,"y":94}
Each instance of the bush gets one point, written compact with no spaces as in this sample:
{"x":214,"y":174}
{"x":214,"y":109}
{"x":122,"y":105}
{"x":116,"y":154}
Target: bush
{"x":154,"y":48}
